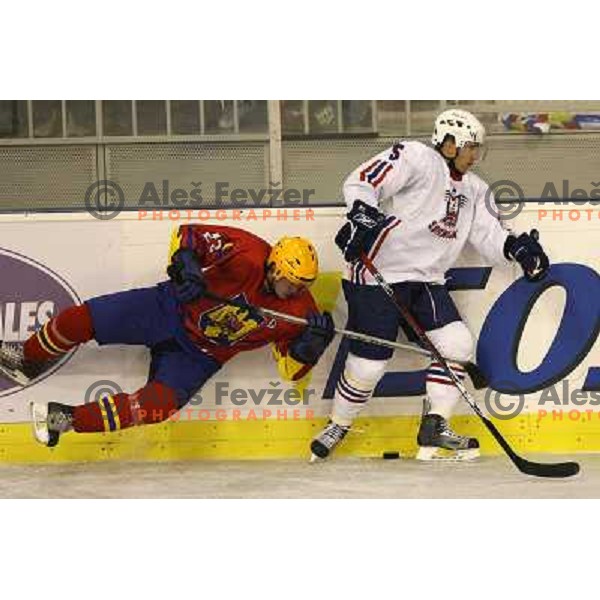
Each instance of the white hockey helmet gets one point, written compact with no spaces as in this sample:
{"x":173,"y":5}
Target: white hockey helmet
{"x":461,"y":125}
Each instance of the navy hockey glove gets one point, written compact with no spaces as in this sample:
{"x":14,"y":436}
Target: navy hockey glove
{"x":528,"y":252}
{"x":186,"y":274}
{"x":313,"y":341}
{"x":364,"y":226}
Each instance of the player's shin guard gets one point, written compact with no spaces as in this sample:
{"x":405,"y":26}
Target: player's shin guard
{"x":23,"y":362}
{"x":153,"y":403}
{"x":435,"y":439}
{"x":441,"y":391}
{"x":354,"y":388}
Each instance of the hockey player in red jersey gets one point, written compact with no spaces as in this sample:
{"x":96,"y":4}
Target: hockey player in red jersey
{"x":190,"y":335}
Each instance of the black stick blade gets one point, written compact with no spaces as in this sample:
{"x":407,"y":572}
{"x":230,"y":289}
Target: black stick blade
{"x":476,"y":375}
{"x":555,"y":470}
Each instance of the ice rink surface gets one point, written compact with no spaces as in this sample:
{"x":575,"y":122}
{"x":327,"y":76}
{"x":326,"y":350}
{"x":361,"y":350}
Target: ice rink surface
{"x":342,"y":478}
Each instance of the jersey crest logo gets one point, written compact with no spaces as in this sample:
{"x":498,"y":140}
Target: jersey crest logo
{"x":216,"y":244}
{"x":226,"y":325}
{"x":446,"y":228}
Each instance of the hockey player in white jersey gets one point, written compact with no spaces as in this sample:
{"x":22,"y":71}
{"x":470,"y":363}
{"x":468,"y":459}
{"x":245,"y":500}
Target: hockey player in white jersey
{"x":412,"y":210}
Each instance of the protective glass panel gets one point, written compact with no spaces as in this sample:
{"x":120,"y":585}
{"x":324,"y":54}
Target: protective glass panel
{"x":13,"y":119}
{"x":185,"y":117}
{"x":151,"y":117}
{"x":252,"y":115}
{"x":47,"y":118}
{"x":292,"y":116}
{"x":357,"y":116}
{"x":218,"y":115}
{"x":116,"y":117}
{"x":81,"y":118}
{"x":391,"y":117}
{"x":422,"y":116}
{"x":323,"y":116}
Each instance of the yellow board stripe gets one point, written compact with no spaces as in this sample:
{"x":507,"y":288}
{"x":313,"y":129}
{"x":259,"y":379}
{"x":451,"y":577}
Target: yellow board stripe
{"x":272,"y":439}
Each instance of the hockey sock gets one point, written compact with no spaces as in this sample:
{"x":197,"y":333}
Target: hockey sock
{"x":454,"y":341}
{"x":154,"y":403}
{"x":441,"y":391}
{"x":71,"y":327}
{"x":355,"y":387}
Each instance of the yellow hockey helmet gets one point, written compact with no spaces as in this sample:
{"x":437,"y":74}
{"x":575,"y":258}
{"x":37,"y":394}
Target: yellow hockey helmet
{"x":294,"y":258}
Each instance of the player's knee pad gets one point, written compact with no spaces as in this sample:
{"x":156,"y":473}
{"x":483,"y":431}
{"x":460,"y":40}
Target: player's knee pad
{"x":364,"y":372}
{"x":454,"y":341}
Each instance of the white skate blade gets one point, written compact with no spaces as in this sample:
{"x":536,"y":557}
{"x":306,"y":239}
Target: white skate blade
{"x":435,"y":454}
{"x":39,"y":414}
{"x":14,"y":375}
{"x":315,"y":459}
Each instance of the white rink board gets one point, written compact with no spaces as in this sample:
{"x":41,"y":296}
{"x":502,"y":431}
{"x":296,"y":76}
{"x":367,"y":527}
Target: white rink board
{"x":98,"y":257}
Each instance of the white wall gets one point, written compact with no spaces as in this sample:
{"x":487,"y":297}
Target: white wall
{"x":97,"y":257}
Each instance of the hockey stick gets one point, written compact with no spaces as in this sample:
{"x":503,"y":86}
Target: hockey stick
{"x":477,"y":377}
{"x":564,"y":469}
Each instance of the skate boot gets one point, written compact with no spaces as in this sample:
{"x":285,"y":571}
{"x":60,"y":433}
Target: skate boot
{"x":50,"y":420}
{"x":14,"y":366}
{"x":327,"y":440}
{"x":438,"y":442}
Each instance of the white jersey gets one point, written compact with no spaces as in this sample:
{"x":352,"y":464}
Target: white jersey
{"x":435,"y":214}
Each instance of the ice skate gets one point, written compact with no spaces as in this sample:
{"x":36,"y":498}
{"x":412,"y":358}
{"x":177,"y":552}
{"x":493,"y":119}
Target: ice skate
{"x":438,"y":442}
{"x":50,"y":420}
{"x":14,"y":366}
{"x":322,"y":446}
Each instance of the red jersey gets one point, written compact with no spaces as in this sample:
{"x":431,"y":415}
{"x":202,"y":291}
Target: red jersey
{"x":233,"y":263}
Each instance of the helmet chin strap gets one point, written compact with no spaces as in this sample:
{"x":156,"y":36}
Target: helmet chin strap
{"x":267,"y":286}
{"x":454,"y":172}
